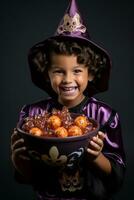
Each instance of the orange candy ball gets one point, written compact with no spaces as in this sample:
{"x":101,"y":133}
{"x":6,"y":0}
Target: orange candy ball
{"x":54,"y":122}
{"x":36,"y":131}
{"x":61,"y":132}
{"x":74,"y":131}
{"x":81,"y":121}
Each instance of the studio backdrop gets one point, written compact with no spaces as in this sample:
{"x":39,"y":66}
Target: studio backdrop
{"x":26,"y":22}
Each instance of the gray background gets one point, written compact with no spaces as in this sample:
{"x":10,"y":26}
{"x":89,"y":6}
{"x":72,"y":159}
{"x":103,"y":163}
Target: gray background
{"x":24,"y":23}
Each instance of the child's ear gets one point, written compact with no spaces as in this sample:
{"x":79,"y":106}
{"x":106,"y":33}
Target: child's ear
{"x":90,"y":77}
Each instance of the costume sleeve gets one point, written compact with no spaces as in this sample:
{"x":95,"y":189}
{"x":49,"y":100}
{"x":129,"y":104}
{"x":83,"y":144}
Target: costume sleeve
{"x":24,"y":112}
{"x":99,"y":185}
{"x":114,"y":151}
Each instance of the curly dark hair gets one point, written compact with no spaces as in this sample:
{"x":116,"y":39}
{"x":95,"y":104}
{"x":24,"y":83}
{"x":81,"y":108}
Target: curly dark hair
{"x":85,"y":55}
{"x":96,"y":59}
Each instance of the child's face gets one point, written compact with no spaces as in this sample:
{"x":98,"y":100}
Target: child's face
{"x":68,"y":79}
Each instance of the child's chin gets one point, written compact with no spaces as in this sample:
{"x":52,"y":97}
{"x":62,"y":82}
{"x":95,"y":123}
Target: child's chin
{"x":69,"y":98}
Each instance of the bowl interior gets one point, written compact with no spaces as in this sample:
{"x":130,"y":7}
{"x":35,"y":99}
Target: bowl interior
{"x":89,"y":134}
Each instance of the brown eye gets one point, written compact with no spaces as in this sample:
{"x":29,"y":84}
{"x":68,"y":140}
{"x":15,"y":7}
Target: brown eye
{"x":77,"y":71}
{"x":57,"y":72}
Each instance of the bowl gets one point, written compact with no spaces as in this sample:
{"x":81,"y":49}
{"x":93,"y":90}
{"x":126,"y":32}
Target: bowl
{"x":57,"y":151}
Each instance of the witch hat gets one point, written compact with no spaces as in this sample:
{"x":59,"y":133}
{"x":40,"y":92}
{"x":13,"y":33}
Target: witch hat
{"x":71,"y":27}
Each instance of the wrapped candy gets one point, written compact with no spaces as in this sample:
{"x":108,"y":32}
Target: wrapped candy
{"x":58,"y":123}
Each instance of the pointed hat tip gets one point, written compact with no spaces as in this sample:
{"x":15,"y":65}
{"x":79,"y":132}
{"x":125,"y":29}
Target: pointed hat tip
{"x":72,"y":23}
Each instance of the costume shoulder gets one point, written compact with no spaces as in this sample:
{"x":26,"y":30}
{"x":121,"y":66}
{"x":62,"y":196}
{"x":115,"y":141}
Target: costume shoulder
{"x":99,"y":110}
{"x":100,"y":104}
{"x":35,"y":108}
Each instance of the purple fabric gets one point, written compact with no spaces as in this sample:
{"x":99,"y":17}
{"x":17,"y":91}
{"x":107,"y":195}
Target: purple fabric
{"x":73,"y":8}
{"x":113,"y":145}
{"x":71,"y":11}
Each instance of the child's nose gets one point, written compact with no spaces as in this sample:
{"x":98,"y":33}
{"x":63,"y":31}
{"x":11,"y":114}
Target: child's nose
{"x":67,"y":78}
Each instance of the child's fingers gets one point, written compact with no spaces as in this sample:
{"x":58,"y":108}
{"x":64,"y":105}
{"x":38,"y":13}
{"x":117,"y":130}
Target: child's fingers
{"x":17,"y":144}
{"x":101,"y":135}
{"x":14,"y":137}
{"x":94,"y":144}
{"x":20,"y":152}
{"x":18,"y":147}
{"x":92,"y":152}
{"x":97,"y":141}
{"x":24,"y":157}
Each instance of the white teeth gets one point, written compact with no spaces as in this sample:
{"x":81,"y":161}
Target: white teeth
{"x":69,"y":88}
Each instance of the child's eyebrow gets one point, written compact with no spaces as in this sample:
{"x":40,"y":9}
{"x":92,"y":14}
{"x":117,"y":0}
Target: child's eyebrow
{"x":56,"y":67}
{"x":59,"y":67}
{"x":78,"y":66}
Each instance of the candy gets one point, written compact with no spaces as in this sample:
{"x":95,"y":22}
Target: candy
{"x":58,"y":123}
{"x":36,"y":131}
{"x":74,"y":131}
{"x":54,"y":122}
{"x":61,"y":132}
{"x":81,"y":121}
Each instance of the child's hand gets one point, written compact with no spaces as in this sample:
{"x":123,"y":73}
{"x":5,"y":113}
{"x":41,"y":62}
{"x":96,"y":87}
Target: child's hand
{"x":96,"y":145}
{"x":19,"y":155}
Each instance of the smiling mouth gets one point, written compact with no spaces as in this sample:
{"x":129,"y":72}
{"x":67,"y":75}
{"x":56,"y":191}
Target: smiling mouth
{"x":68,"y":90}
